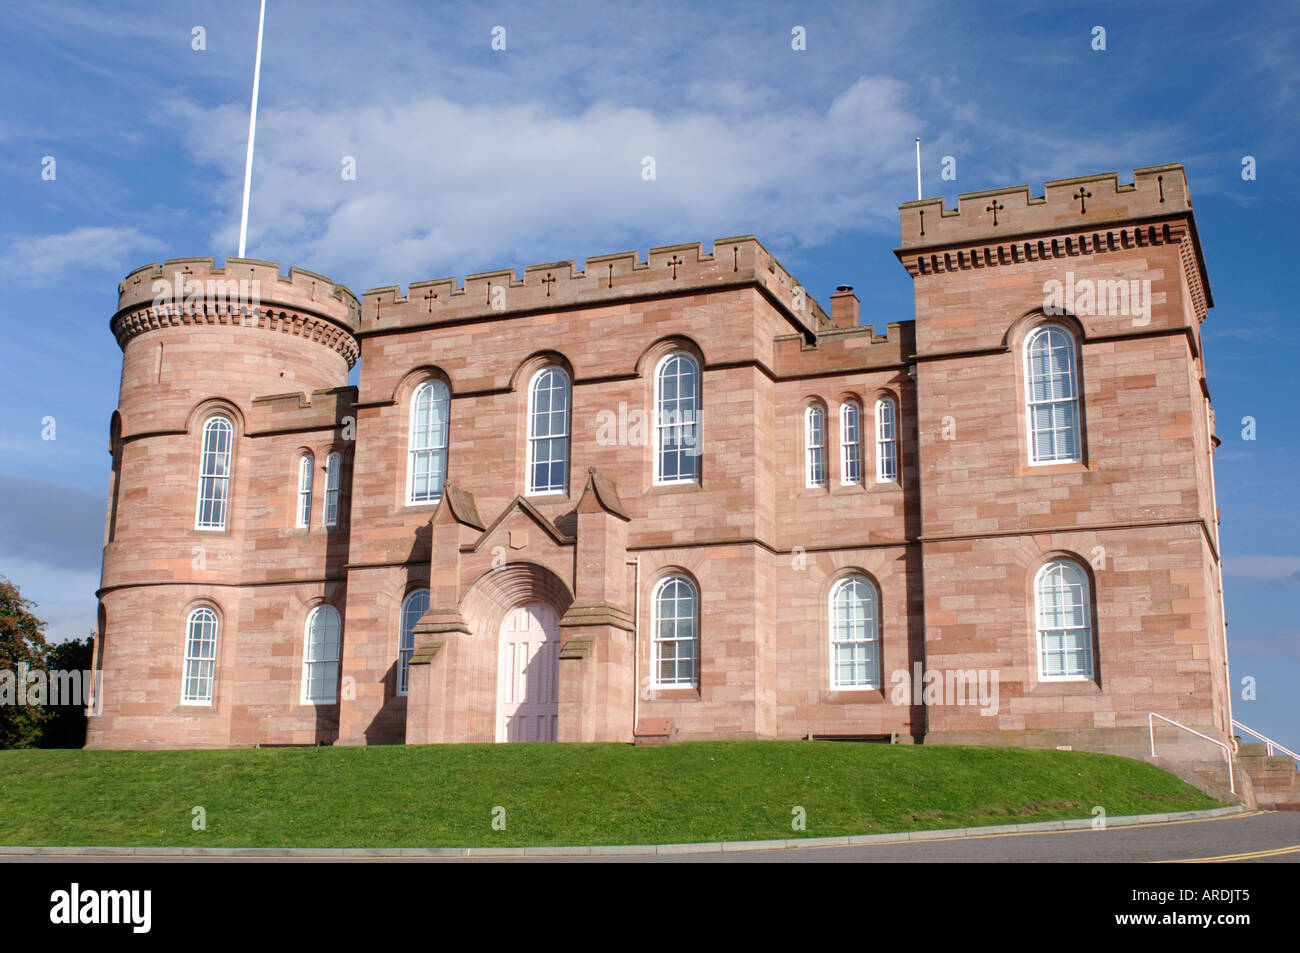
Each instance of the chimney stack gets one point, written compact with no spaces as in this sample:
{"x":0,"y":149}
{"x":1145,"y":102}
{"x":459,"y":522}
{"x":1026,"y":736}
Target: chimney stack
{"x":844,"y":307}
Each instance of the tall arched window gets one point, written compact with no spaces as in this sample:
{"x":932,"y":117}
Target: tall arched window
{"x":886,"y":441}
{"x":416,"y":604}
{"x":855,"y":634}
{"x":850,"y":443}
{"x":427,"y":467}
{"x":548,"y":431}
{"x":333,"y":477}
{"x":676,"y":639}
{"x":200,"y":657}
{"x":814,"y":441}
{"x":1061,"y":606}
{"x":214,"y":473}
{"x":1052,"y":396}
{"x":320,"y":657}
{"x":305,"y":467}
{"x":677,"y":421}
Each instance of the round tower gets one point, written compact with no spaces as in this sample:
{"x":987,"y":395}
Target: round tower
{"x":231,"y":378}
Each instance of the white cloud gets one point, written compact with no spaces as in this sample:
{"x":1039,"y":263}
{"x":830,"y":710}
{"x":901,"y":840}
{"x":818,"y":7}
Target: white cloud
{"x":443,"y":187}
{"x":41,"y":259}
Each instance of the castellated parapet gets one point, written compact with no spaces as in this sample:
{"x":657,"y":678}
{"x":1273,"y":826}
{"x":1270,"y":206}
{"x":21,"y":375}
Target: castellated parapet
{"x":1091,"y":215}
{"x":244,"y":293}
{"x":606,"y":279}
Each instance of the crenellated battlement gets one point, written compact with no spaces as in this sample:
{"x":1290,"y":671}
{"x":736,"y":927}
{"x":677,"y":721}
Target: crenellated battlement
{"x":320,"y":409}
{"x":673,"y":269}
{"x":849,"y":350}
{"x":1081,"y":203}
{"x":245,"y":292}
{"x":178,"y":282}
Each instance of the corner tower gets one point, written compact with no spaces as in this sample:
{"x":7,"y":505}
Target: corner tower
{"x":234,"y":384}
{"x":1069,"y":535}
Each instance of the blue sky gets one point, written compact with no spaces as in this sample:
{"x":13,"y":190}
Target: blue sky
{"x":470,"y":160}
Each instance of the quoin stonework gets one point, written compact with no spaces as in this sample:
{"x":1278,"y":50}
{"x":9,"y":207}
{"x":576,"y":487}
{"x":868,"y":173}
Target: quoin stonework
{"x":677,"y":497}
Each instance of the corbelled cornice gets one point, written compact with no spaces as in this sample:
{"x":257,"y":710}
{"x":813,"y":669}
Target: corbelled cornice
{"x":1018,"y":249}
{"x":132,"y":322}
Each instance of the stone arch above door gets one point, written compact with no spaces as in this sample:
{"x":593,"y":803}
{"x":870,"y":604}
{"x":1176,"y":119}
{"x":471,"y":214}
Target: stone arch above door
{"x":497,"y":591}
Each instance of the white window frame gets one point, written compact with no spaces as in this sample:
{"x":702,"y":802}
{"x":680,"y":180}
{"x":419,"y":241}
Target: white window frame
{"x":201,"y":622}
{"x":840,"y":625}
{"x":414,"y":606}
{"x":660,"y":426}
{"x":306,"y":465}
{"x":886,"y":441}
{"x":535,"y":440}
{"x":317,"y":652}
{"x":1070,"y":400}
{"x":333,"y":480}
{"x":814,"y":447}
{"x":434,"y":443}
{"x":1081,"y":583}
{"x":850,"y":443}
{"x":658,"y":641}
{"x":214,"y":484}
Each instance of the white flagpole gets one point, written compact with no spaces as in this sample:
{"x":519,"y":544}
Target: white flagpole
{"x":252,"y":130}
{"x":918,"y":165}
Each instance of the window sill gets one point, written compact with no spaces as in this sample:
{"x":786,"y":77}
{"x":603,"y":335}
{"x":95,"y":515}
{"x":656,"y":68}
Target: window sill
{"x":1066,"y":686}
{"x":1045,"y":469}
{"x":694,"y":487}
{"x":853,"y":696}
{"x":674,"y":695}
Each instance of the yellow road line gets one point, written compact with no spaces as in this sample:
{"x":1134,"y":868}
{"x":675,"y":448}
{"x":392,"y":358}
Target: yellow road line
{"x":1074,"y":830}
{"x":1244,"y":855}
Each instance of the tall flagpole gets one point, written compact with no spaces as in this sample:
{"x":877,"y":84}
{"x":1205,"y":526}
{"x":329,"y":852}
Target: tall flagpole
{"x":918,"y":156}
{"x":252,"y":130}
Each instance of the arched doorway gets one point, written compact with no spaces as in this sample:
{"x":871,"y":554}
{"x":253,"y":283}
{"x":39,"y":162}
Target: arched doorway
{"x":528,"y":696}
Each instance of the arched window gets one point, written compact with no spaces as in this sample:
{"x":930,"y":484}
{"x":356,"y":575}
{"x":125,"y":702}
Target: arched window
{"x":855,"y":634}
{"x":1052,"y":396}
{"x":850,"y":443}
{"x":333,"y":476}
{"x":214,"y":473}
{"x":1061,"y":601}
{"x":677,"y":421}
{"x":200,"y":657}
{"x":305,"y":466}
{"x":548,"y":431}
{"x":676,"y":639}
{"x":814,"y":442}
{"x":320,"y":657}
{"x":427,"y":468}
{"x":886,"y":441}
{"x":416,"y":604}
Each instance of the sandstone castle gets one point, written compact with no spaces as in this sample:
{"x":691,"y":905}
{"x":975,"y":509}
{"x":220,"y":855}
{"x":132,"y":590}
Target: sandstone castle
{"x":677,"y":498}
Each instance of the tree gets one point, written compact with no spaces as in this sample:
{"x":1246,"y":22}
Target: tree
{"x":66,"y":722}
{"x":22,"y":649}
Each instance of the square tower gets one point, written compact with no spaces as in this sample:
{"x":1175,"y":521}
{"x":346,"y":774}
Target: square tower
{"x":1068,"y":529}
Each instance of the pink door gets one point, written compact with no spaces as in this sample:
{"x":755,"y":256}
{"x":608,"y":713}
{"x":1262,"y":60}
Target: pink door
{"x":528,"y":698}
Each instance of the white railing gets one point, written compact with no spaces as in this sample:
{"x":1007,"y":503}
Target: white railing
{"x":1268,"y":741}
{"x":1227,"y":752}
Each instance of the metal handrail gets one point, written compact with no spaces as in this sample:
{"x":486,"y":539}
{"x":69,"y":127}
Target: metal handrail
{"x":1267,"y":740}
{"x":1227,"y":752}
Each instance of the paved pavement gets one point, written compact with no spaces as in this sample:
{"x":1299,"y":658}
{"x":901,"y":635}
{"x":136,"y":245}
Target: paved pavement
{"x":1251,"y":837}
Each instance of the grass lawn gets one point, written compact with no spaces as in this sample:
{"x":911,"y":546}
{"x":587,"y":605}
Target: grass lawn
{"x":444,"y":795}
